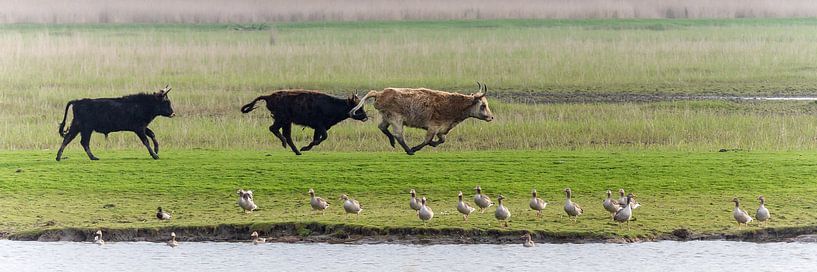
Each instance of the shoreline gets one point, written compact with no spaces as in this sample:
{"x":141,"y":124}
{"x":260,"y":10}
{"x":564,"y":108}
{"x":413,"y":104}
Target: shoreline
{"x":361,"y":235}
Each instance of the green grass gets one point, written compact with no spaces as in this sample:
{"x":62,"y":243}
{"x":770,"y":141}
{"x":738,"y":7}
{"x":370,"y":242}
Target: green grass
{"x":676,"y":189}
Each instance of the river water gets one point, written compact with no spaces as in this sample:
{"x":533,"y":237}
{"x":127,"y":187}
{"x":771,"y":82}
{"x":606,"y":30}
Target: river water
{"x":650,"y":256}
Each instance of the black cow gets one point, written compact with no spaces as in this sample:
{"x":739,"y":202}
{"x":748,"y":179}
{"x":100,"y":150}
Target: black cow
{"x":106,"y":115}
{"x":312,"y":109}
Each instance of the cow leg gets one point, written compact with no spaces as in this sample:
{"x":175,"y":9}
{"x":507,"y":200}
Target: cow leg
{"x":429,"y":136}
{"x":144,"y":139}
{"x":287,"y":129}
{"x":384,"y":127}
{"x":318,"y":137}
{"x":152,"y":136}
{"x":398,"y":135}
{"x":441,"y":140}
{"x":72,"y":133}
{"x":275,"y":129}
{"x":85,"y":141}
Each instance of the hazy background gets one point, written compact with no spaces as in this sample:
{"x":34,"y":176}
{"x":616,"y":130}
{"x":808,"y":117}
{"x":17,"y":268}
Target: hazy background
{"x":244,"y":11}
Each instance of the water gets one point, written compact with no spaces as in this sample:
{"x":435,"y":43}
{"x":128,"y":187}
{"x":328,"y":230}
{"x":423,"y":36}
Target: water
{"x":654,"y":256}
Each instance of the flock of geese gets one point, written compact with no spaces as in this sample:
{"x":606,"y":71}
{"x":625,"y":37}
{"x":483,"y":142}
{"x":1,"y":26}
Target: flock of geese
{"x":621,"y":210}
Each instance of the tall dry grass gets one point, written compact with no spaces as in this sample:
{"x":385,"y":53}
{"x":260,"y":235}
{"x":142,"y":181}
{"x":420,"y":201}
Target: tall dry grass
{"x":241,"y":11}
{"x":215,"y":70}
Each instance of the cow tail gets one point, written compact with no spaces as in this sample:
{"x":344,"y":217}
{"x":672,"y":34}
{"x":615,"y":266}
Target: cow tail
{"x":251,"y":106}
{"x":371,"y":94}
{"x":64,"y":116}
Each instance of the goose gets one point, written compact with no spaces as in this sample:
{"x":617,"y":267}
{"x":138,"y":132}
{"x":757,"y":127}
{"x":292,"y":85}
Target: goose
{"x":351,"y":205}
{"x":98,"y":238}
{"x":425,"y":213}
{"x":172,"y":242}
{"x":317,"y":203}
{"x":161,"y":215}
{"x":611,"y":205}
{"x":623,"y":198}
{"x":740,"y":215}
{"x":624,"y":214}
{"x":572,"y":209}
{"x":464,"y":208}
{"x":528,"y":241}
{"x":502,"y":213}
{"x":482,"y":201}
{"x":762,"y":214}
{"x":245,"y":201}
{"x":537,"y":204}
{"x":414,"y":203}
{"x":257,"y":240}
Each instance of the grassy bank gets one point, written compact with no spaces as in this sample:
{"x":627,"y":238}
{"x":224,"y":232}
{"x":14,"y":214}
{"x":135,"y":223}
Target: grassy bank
{"x":678,"y":190}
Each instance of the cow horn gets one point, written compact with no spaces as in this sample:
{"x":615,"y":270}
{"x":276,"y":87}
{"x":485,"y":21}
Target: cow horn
{"x":486,"y":89}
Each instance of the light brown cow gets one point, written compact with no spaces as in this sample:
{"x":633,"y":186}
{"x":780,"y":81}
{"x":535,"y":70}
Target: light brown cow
{"x":435,"y":111}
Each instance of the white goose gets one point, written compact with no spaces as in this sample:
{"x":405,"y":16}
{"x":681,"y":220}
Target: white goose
{"x":245,"y":201}
{"x":537,"y":204}
{"x":425,"y":213}
{"x":98,"y":238}
{"x":611,"y":205}
{"x":528,"y":241}
{"x":625,"y":213}
{"x":571,"y":208}
{"x":414,"y":203}
{"x":740,"y":215}
{"x":464,"y":208}
{"x":502,"y":213}
{"x":482,"y":201}
{"x":257,"y":240}
{"x":351,"y":205}
{"x":762,"y":214}
{"x":317,"y":203}
{"x":172,"y":242}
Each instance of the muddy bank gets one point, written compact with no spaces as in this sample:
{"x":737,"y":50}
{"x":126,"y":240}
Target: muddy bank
{"x":352,"y":234}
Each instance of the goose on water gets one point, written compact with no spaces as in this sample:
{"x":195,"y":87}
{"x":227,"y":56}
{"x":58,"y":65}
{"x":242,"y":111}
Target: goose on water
{"x":98,"y":238}
{"x":257,"y":240}
{"x":528,"y":241}
{"x":172,"y":242}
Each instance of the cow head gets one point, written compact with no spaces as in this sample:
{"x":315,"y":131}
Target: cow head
{"x":480,"y":108}
{"x":164,"y":108}
{"x":353,"y":100}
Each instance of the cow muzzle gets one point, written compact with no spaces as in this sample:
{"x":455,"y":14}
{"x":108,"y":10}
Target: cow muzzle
{"x":172,"y":114}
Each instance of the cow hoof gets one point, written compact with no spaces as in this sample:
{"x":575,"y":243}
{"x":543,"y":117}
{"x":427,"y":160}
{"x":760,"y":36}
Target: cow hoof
{"x":155,"y":157}
{"x":306,"y":148}
{"x":298,"y":153}
{"x":58,"y":158}
{"x":94,"y":158}
{"x":410,"y":153}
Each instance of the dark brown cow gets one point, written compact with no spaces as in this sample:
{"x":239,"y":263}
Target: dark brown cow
{"x":307,"y":108}
{"x":435,"y":111}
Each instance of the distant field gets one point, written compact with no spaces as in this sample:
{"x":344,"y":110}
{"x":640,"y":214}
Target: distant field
{"x":215,"y":68}
{"x":676,"y":189}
